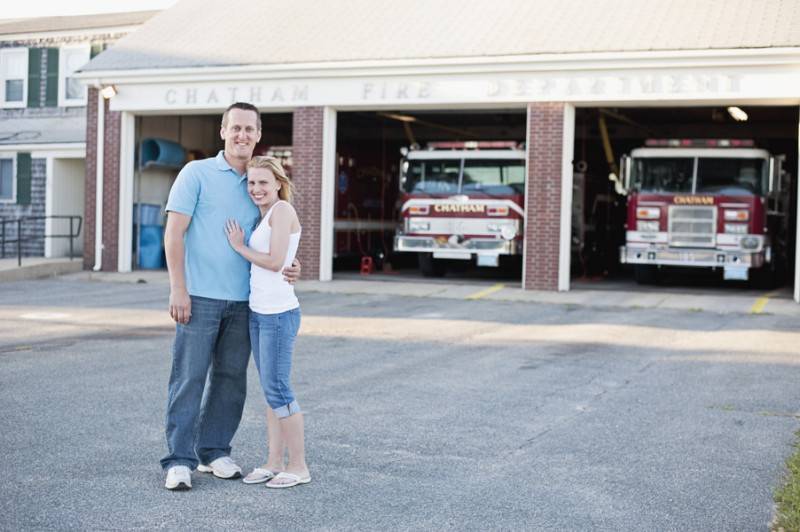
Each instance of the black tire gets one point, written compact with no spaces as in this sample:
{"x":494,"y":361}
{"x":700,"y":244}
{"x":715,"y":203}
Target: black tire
{"x":766,"y":277}
{"x":645,"y":274}
{"x":431,"y":267}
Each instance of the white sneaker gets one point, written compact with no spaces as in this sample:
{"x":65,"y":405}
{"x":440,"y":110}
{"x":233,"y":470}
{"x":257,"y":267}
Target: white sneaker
{"x":179,"y":478}
{"x":222,"y":467}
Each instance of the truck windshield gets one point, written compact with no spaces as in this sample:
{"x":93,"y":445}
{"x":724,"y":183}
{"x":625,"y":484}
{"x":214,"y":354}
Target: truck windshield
{"x":732,"y":176}
{"x":663,"y":174}
{"x":443,"y":176}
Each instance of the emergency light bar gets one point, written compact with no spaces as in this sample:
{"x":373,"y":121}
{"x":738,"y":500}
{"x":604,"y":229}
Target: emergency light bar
{"x":472,"y":145}
{"x":701,"y":143}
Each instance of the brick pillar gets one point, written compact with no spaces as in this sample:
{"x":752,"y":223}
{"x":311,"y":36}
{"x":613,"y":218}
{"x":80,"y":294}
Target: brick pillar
{"x":111,"y":139}
{"x":90,"y":191}
{"x":543,"y":195}
{"x":307,"y":141}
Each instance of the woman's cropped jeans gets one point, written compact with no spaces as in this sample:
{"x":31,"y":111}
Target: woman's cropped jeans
{"x":273,"y":337}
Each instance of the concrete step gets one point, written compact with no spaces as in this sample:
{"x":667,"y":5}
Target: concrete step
{"x":37,"y":268}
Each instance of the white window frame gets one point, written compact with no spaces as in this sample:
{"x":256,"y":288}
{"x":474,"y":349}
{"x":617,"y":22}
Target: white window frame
{"x":63,"y":101}
{"x":4,"y":54}
{"x":13,"y":158}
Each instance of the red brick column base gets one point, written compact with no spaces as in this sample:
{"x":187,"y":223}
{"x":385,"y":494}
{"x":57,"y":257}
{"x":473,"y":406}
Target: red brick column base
{"x":307,"y":141}
{"x":543,"y":196}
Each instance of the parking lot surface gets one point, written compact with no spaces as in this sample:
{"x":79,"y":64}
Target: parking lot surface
{"x":423,"y":411}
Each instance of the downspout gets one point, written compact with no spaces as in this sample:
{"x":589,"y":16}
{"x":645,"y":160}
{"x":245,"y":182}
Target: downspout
{"x":98,"y":207}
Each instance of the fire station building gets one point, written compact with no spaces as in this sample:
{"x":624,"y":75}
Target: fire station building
{"x":344,"y":86}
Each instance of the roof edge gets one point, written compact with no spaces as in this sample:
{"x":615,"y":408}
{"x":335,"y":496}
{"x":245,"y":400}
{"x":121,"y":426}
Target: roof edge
{"x":769,"y":56}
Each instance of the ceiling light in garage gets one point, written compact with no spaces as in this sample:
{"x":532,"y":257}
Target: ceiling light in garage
{"x":737,"y":114}
{"x":401,"y":118}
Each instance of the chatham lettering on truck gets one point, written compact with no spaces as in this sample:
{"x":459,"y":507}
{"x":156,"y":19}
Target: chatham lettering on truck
{"x":461,"y":201}
{"x":713,"y":203}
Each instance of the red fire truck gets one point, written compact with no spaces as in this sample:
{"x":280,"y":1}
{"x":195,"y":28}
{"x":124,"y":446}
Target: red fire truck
{"x":461,"y":201}
{"x":705,"y":204}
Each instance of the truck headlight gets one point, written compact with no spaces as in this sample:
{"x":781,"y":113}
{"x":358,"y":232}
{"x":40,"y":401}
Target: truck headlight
{"x":416,"y":226}
{"x":737,"y":229}
{"x":508,"y":232}
{"x":749,"y":242}
{"x":647,"y":227}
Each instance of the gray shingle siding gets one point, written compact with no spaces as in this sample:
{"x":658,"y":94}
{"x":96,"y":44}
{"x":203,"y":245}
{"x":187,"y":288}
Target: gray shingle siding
{"x":32,"y":231}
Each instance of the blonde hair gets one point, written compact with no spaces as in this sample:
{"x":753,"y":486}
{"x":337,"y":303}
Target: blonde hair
{"x":286,"y":192}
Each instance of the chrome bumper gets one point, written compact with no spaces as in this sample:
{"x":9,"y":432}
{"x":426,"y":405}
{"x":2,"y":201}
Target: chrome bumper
{"x":666,"y":256}
{"x":489,"y":246}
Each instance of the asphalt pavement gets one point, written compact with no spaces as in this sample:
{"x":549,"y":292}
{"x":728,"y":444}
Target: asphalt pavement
{"x":422,"y":412}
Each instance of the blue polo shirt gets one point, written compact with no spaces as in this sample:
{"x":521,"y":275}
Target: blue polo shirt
{"x":211,"y":192}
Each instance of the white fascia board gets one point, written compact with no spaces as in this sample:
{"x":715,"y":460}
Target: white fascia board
{"x":63,"y":34}
{"x":469,"y":65}
{"x":74,"y":149}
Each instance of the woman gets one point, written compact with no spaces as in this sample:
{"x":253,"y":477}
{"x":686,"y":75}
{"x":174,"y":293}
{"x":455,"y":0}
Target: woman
{"x":274,"y":318}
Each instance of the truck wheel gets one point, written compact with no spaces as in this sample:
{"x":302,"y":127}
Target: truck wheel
{"x":645,"y":274}
{"x":431,"y":267}
{"x":765,"y":277}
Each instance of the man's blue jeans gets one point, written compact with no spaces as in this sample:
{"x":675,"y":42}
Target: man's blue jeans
{"x":208,"y":383}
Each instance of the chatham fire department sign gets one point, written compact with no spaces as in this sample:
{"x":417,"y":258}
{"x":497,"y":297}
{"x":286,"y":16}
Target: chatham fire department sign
{"x":689,"y":85}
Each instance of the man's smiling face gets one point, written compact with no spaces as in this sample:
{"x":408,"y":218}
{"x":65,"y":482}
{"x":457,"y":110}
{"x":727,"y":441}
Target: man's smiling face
{"x":240,"y":133}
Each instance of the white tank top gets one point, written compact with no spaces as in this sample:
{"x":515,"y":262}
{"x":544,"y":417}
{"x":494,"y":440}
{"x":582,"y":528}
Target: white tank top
{"x":269,"y":293}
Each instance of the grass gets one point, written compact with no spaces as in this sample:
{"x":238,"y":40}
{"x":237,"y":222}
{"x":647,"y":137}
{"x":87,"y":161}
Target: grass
{"x":787,"y":496}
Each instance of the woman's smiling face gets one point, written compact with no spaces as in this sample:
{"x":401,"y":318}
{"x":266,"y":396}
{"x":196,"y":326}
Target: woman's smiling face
{"x":262,"y":186}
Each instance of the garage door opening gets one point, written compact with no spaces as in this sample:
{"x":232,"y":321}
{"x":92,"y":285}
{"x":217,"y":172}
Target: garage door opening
{"x":705,"y":202}
{"x":164,"y":144}
{"x":415,"y":190}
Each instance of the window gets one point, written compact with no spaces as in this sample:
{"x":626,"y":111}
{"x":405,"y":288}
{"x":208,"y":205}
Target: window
{"x":735,"y":177}
{"x":14,"y":77}
{"x":70,"y":90}
{"x":6,"y":180}
{"x":663,"y":174}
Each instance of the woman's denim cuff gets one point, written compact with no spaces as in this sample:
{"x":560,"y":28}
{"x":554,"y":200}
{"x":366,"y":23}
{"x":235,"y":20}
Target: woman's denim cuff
{"x":287,"y":410}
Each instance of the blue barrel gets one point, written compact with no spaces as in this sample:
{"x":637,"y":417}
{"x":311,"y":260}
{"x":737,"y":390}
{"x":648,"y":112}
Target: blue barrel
{"x":161,"y":152}
{"x":151,"y":247}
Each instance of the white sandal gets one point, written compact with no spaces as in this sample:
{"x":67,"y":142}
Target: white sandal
{"x":258,"y":475}
{"x":293,"y":479}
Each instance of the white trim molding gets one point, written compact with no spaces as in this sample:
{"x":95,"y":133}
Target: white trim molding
{"x":525,"y":200}
{"x":6,"y":57}
{"x":127,"y":134}
{"x":11,"y":156}
{"x":797,"y":235}
{"x":98,"y":211}
{"x":327,"y":194}
{"x":565,"y":235}
{"x":79,"y":55}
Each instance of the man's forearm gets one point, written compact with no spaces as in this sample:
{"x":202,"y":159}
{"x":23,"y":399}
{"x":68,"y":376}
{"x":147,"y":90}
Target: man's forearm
{"x":174,"y":251}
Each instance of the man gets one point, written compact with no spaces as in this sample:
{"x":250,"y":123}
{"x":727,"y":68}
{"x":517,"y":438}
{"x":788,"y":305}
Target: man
{"x":209,"y":290}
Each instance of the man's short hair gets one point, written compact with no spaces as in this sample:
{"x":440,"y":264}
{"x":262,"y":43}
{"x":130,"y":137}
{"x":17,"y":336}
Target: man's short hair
{"x":244,"y":106}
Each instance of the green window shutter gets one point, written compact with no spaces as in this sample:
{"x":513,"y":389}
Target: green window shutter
{"x":51,"y":88}
{"x":96,"y":48}
{"x":24,"y":178}
{"x":34,"y":77}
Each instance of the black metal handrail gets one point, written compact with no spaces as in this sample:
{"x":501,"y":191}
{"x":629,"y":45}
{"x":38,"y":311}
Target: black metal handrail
{"x":74,"y":231}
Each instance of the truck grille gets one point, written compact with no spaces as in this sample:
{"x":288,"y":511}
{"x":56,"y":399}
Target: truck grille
{"x":692,"y":226}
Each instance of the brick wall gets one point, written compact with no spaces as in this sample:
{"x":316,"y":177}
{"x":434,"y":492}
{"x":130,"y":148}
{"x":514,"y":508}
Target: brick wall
{"x":110,"y":185}
{"x":543,"y":195}
{"x":90,"y":190}
{"x":307,"y":176}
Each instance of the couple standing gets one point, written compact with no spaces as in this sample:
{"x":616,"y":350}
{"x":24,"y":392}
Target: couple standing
{"x":230,"y":289}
